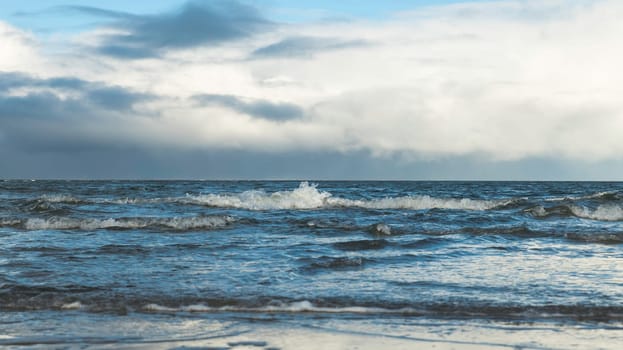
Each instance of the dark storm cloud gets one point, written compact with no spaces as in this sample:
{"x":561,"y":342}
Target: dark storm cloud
{"x":114,"y":97}
{"x":41,"y":119}
{"x":196,"y":23}
{"x":92,"y":93}
{"x":45,"y":122}
{"x":303,"y":46}
{"x":123,"y":162}
{"x":256,"y":108}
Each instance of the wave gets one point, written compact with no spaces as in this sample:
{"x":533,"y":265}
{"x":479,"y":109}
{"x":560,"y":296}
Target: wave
{"x":336,"y":263}
{"x":516,"y":312}
{"x":39,"y":206}
{"x":7,"y":222}
{"x":517,"y":231}
{"x":525,"y":232}
{"x":365,"y":244}
{"x":61,"y":198}
{"x":604,"y":212}
{"x":76,"y":305}
{"x":307,"y":196}
{"x":600,"y":196}
{"x":87,"y":224}
{"x":381,"y":229}
{"x":601,"y":238}
{"x":93,"y":299}
{"x":280,"y":307}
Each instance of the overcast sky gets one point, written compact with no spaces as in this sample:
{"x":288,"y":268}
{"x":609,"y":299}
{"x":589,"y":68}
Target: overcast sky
{"x":268,"y":89}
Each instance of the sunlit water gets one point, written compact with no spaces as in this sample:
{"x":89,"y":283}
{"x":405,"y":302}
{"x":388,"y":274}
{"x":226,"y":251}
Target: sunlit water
{"x":145,"y":263}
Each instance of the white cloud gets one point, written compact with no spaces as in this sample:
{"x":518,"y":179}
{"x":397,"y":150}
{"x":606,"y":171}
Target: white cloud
{"x":508,"y":80}
{"x":18,"y":49}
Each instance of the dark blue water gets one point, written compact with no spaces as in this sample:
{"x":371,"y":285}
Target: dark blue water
{"x":501,"y":251}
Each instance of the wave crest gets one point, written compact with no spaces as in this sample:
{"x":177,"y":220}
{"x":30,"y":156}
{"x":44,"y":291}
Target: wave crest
{"x":282,"y":307}
{"x":304,"y":197}
{"x":61,"y":198}
{"x":604,"y":212}
{"x":604,"y":196}
{"x":307,"y":196}
{"x":170,"y":223}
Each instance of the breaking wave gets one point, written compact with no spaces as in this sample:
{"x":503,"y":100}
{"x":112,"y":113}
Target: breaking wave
{"x":170,"y":223}
{"x":293,"y":307}
{"x":600,"y":196}
{"x":605,"y":212}
{"x":61,"y":198}
{"x":598,"y":313}
{"x":18,"y":297}
{"x":307,"y":196}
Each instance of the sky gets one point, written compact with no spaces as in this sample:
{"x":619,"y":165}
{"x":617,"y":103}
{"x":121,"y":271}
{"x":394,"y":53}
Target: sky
{"x":276,"y":89}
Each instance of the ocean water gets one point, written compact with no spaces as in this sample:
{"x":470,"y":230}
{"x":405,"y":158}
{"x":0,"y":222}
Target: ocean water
{"x":281,"y":264}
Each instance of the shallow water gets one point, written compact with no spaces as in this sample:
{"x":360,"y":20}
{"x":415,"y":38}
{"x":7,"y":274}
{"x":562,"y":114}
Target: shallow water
{"x":76,"y":256}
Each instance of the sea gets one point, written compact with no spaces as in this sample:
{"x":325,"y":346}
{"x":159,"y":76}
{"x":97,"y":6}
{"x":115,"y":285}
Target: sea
{"x":311,"y":265}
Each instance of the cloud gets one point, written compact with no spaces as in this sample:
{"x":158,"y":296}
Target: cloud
{"x":253,"y":107}
{"x":89,"y":10}
{"x":304,"y":46}
{"x":196,"y":23}
{"x":62,"y":113}
{"x":479,"y":83}
{"x":86,"y":10}
{"x":93,"y":93}
{"x":12,"y":80}
{"x":19,"y":51}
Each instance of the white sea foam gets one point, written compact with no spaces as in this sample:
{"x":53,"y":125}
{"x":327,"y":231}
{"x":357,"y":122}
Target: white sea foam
{"x":307,"y":196}
{"x":603,"y":212}
{"x":9,"y":222}
{"x":174,"y":223}
{"x":294,"y":307}
{"x":417,"y":203}
{"x":128,"y":200}
{"x":304,"y":197}
{"x":606,"y":212}
{"x":72,"y":306}
{"x":538,"y":211}
{"x":159,"y":308}
{"x":382,"y":229}
{"x":60,"y":198}
{"x":596,"y":195}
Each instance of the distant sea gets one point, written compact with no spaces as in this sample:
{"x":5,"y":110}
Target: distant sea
{"x":283,"y":264}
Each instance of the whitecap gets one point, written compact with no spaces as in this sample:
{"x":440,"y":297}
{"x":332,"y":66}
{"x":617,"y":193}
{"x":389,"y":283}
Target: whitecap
{"x":308,"y":196}
{"x":602,"y":213}
{"x":72,"y":306}
{"x":173,"y":223}
{"x":60,"y":198}
{"x":293,"y":307}
{"x":383,"y":229}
